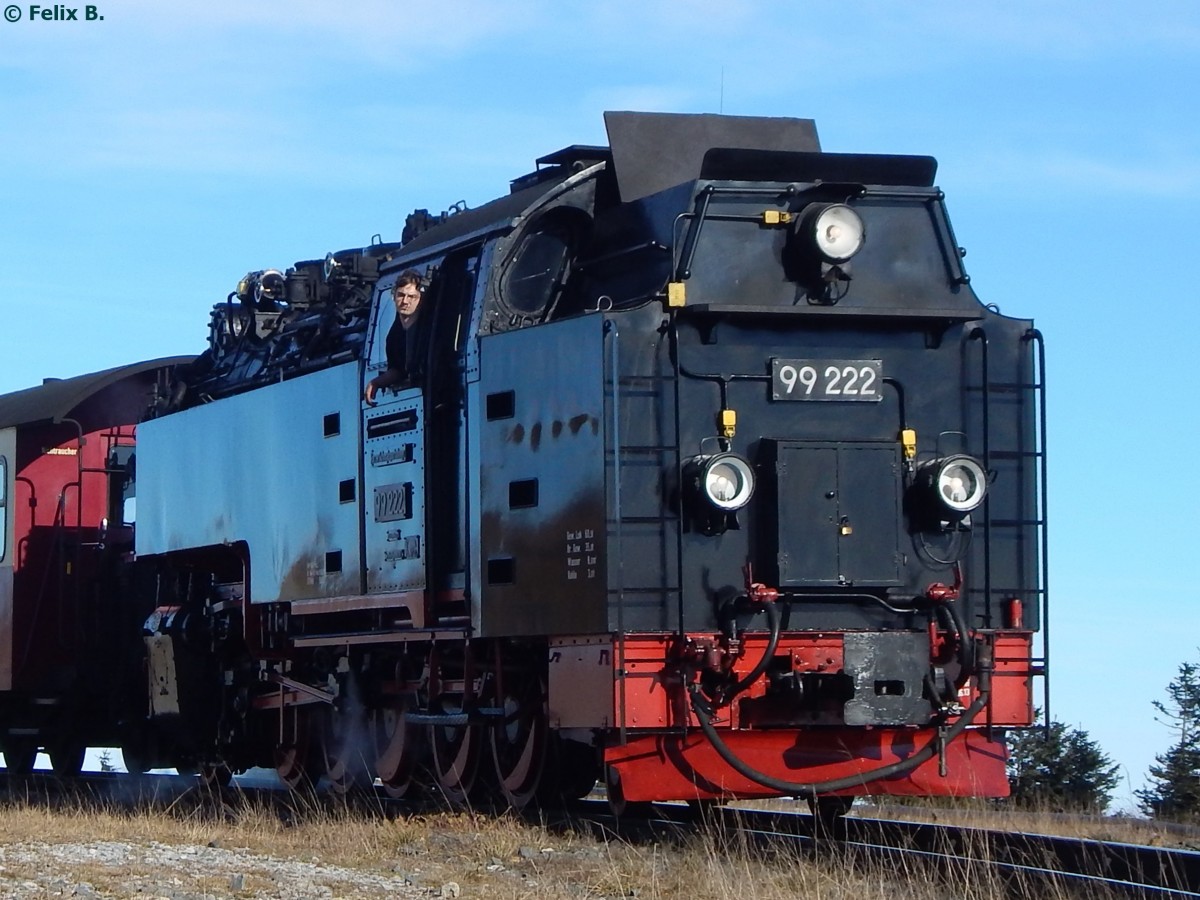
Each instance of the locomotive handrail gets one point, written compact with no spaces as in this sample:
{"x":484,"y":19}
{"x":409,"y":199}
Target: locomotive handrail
{"x":953,"y":254}
{"x":683,"y":270}
{"x":617,"y":254}
{"x":57,"y":526}
{"x":1039,"y":389}
{"x":683,"y":266}
{"x":613,"y":335}
{"x":677,"y":398}
{"x":885,"y":313}
{"x":979,"y":334}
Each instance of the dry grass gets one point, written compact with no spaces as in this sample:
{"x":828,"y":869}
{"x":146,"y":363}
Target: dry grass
{"x":171,"y":850}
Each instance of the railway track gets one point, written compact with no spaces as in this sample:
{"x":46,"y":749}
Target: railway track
{"x":1021,"y":862}
{"x":1126,"y":868}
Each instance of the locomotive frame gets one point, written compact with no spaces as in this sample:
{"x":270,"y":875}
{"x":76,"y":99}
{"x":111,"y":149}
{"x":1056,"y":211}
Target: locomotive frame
{"x":717,"y":481}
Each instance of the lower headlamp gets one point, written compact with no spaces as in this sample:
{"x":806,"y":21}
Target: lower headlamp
{"x":953,"y":485}
{"x":726,"y":481}
{"x":715,"y":488}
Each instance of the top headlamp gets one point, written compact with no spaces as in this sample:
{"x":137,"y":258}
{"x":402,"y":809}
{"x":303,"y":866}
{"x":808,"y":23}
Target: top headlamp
{"x":835,"y":230}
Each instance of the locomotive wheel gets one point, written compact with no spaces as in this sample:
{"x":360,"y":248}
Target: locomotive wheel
{"x":399,"y":746}
{"x":289,"y":765}
{"x":456,"y":751}
{"x":294,"y":757}
{"x":519,"y":741}
{"x":19,"y":756}
{"x":827,"y":812}
{"x":704,"y":810}
{"x":572,"y":769}
{"x":135,"y":757}
{"x":66,"y":757}
{"x":618,"y":805}
{"x":344,"y":751}
{"x":215,"y":776}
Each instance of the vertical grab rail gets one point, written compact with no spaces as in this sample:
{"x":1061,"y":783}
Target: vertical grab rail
{"x":1039,"y":389}
{"x":677,"y":379}
{"x":978,"y":334}
{"x":613,"y":335}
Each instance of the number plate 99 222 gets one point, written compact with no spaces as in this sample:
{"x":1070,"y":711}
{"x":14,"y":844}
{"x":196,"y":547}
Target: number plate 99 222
{"x":827,"y":379}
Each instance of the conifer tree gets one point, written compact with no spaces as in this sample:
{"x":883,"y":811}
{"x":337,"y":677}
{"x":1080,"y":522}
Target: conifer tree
{"x":1174,"y":789}
{"x":1060,"y":769}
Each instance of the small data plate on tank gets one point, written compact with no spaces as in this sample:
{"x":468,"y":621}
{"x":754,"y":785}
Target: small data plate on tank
{"x":827,"y":379}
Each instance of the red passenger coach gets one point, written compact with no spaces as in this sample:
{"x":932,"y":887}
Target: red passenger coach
{"x":66,"y":515}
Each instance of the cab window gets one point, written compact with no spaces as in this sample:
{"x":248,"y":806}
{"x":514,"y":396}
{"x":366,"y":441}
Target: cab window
{"x":122,"y":486}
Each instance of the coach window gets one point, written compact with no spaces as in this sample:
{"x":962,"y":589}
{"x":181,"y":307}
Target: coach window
{"x":3,"y":507}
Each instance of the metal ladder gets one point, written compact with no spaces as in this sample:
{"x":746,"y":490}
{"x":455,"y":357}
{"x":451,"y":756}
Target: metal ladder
{"x":1030,"y":392}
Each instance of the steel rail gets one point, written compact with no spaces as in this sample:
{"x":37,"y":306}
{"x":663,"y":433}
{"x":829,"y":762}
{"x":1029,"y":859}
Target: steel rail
{"x":1031,"y":860}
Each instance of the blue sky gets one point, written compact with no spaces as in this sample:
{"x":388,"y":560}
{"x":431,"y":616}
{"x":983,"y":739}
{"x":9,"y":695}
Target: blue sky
{"x":150,"y":159}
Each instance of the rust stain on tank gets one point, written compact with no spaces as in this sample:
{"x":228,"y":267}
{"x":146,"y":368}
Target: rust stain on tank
{"x":535,"y":436}
{"x":556,"y":428}
{"x":306,"y":578}
{"x":517,"y":434}
{"x":577,"y":422}
{"x":300,"y":579}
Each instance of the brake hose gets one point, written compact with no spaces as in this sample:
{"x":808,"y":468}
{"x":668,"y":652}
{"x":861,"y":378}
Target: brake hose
{"x":773,"y":619}
{"x":796,"y":788}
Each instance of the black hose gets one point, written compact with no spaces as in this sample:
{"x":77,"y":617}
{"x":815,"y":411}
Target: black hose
{"x":796,"y":788}
{"x":773,"y":618}
{"x":933,"y":690}
{"x":966,"y":649}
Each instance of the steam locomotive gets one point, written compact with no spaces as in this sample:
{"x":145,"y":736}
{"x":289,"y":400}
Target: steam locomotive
{"x":713,"y":478}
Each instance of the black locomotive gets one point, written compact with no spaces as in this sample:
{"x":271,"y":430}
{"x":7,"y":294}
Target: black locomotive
{"x":709,"y":476}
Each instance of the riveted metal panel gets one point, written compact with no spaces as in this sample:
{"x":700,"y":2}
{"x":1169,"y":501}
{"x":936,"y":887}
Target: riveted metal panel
{"x":888,"y":671}
{"x":258,"y":467}
{"x":580,"y":671}
{"x":543,"y":566}
{"x":394,"y":493}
